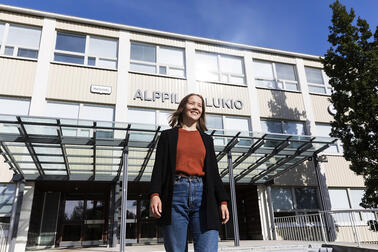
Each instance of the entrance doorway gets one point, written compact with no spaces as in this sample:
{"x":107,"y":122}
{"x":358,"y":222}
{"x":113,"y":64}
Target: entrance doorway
{"x":83,"y":222}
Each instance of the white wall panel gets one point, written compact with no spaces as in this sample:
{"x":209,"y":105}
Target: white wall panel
{"x":320,"y":104}
{"x":17,"y":76}
{"x":273,"y":57}
{"x":156,"y":40}
{"x":73,"y":83}
{"x":281,"y":104}
{"x":302,"y":175}
{"x":312,"y":63}
{"x":219,"y":49}
{"x":20,"y":18}
{"x":86,"y":29}
{"x":338,"y":173}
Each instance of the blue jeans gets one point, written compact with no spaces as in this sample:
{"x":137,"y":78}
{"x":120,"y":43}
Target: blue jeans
{"x":187,"y":210}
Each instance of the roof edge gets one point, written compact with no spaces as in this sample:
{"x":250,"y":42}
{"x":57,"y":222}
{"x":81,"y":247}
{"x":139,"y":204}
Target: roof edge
{"x":53,"y":15}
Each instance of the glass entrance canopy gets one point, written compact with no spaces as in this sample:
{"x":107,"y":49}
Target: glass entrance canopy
{"x":40,"y":148}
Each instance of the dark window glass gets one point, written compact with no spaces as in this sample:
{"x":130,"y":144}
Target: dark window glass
{"x":27,"y":53}
{"x":70,"y":42}
{"x":306,"y":198}
{"x":91,"y":61}
{"x":69,"y":58}
{"x":73,"y":210}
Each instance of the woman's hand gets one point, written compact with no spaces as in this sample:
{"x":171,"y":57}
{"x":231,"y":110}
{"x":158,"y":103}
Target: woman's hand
{"x":155,"y":206}
{"x":225,"y":214}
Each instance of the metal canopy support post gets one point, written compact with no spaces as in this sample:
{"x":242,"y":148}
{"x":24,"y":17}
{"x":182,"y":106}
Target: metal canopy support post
{"x":64,"y":153}
{"x":15,"y":217}
{"x":94,"y":149}
{"x":124,"y":199}
{"x":233,"y":200}
{"x":271,"y":212}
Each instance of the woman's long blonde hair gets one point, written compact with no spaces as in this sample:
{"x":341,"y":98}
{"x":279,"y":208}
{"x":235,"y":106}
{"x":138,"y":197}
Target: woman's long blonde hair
{"x":177,"y":117}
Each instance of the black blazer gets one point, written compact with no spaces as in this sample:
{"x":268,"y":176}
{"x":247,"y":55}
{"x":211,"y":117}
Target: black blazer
{"x":164,"y":171}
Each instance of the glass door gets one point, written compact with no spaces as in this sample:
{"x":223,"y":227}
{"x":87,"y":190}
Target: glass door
{"x":73,"y":222}
{"x":83,"y":223}
{"x":94,"y":223}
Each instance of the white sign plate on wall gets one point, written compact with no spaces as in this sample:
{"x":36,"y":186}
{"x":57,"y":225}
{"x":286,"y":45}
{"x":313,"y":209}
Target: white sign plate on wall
{"x":101,"y":89}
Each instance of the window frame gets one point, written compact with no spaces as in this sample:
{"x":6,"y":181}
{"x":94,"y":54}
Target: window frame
{"x":295,"y":210}
{"x":157,"y":64}
{"x":220,"y":71}
{"x":282,"y":123}
{"x":86,"y":53}
{"x":4,"y":45}
{"x":275,"y":79}
{"x":338,"y":144}
{"x":325,"y":85}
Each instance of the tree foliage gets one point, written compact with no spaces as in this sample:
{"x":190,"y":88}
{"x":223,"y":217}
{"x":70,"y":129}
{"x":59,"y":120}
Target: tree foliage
{"x":352,"y":65}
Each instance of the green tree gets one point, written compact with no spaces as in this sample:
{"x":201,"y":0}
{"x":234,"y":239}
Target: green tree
{"x":352,"y":65}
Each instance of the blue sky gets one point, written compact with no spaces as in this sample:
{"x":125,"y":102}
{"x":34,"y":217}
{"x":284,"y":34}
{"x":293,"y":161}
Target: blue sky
{"x":293,"y":25}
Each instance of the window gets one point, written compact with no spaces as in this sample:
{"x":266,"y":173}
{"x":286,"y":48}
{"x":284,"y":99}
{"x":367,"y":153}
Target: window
{"x":7,"y":193}
{"x":282,"y":199}
{"x":86,"y":50}
{"x":19,"y":40}
{"x":14,"y":106}
{"x":339,"y":199}
{"x":283,"y":127}
{"x":291,"y":200}
{"x":219,"y":68}
{"x":324,"y":130}
{"x":83,"y":112}
{"x":154,"y":59}
{"x":229,"y":125}
{"x":347,"y":198}
{"x":315,"y":81}
{"x":306,"y":198}
{"x":276,"y":75}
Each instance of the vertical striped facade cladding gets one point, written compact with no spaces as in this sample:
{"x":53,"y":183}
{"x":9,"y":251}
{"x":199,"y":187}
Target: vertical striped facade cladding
{"x":72,"y":83}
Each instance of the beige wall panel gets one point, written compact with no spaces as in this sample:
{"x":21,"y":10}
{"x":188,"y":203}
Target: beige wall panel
{"x":273,"y":57}
{"x":312,"y":63}
{"x":338,"y":173}
{"x":17,"y":76}
{"x":281,"y":104}
{"x":73,"y":83}
{"x":20,"y":18}
{"x":219,"y":49}
{"x":302,"y":175}
{"x":87,"y":29}
{"x":146,"y":84}
{"x":156,"y":40}
{"x":5,"y":173}
{"x":218,"y":94}
{"x":320,"y":105}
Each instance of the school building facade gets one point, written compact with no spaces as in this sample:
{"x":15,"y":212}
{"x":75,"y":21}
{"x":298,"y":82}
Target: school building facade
{"x":69,"y":84}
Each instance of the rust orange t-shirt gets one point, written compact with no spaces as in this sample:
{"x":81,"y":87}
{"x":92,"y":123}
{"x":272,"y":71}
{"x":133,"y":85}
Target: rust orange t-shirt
{"x":191,"y":153}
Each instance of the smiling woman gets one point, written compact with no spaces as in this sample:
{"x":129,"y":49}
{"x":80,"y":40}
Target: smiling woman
{"x":188,"y":192}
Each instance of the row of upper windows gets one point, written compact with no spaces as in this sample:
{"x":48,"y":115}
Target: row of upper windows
{"x":89,"y":50}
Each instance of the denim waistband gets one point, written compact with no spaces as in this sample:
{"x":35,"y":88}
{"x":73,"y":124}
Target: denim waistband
{"x":188,"y":178}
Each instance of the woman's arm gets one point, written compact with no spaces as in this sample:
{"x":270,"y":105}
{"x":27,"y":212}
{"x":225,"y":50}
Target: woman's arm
{"x":220,"y":192}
